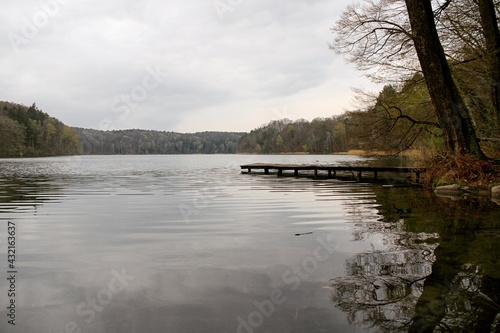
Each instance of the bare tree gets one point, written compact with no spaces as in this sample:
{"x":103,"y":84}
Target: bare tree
{"x":375,"y":36}
{"x":396,"y":119}
{"x":381,"y":37}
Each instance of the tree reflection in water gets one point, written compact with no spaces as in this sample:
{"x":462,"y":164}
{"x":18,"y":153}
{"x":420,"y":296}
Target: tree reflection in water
{"x":438,"y":271}
{"x":382,"y":287}
{"x":467,"y":305}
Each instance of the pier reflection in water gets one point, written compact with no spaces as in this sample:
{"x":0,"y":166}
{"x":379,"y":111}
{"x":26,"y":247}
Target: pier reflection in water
{"x":439,"y":273}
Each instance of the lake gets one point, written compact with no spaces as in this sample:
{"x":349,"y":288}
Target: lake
{"x":187,"y":243}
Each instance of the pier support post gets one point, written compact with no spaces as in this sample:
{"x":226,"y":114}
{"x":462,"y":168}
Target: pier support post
{"x":266,"y":171}
{"x":280,"y":172}
{"x":359,"y":176}
{"x":296,"y":172}
{"x":375,"y":175}
{"x":315,"y":173}
{"x":329,"y":174}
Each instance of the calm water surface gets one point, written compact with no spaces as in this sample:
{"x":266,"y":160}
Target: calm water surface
{"x":189,"y":244}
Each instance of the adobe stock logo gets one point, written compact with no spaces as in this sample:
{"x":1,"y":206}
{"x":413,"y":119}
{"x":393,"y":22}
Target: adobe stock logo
{"x":292,"y":278}
{"x":123,"y":104}
{"x":223,"y":6}
{"x":87,"y":310}
{"x":31,"y":28}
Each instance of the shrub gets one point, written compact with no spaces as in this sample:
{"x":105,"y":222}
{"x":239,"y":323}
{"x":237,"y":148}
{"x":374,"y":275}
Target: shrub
{"x":467,"y":170}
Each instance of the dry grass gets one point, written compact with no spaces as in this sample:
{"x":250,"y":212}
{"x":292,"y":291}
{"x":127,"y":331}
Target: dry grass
{"x":361,"y":152}
{"x":419,"y":156}
{"x":448,"y":169}
{"x":357,"y":152}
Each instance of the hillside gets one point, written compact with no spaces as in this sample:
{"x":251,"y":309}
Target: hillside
{"x":28,"y":131}
{"x":135,"y":141}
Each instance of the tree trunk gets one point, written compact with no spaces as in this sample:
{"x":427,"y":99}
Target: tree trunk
{"x":453,"y":115}
{"x":492,"y":40}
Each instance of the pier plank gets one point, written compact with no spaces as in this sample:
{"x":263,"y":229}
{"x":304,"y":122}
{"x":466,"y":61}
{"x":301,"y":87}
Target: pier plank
{"x":331,"y":169}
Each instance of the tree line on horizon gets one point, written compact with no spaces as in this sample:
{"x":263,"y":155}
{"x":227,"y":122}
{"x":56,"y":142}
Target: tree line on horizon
{"x":139,"y":142}
{"x":30,"y":132}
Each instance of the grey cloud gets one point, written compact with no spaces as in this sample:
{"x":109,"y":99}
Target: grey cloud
{"x":88,"y":53}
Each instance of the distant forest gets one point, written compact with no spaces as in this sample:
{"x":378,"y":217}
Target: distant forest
{"x":30,"y":132}
{"x":135,"y":141}
{"x":27,"y":131}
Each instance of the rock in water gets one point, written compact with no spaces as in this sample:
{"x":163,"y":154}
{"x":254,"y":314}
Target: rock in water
{"x":495,"y":192}
{"x":449,"y":189}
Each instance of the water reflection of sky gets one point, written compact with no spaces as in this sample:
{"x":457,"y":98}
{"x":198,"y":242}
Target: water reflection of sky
{"x":200,"y":243}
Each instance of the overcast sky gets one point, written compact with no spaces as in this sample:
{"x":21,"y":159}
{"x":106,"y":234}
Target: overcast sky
{"x":173,"y":65}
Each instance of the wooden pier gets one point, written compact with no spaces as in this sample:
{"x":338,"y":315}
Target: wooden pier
{"x":331,"y":170}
